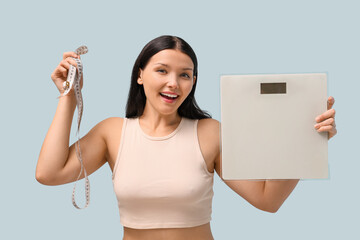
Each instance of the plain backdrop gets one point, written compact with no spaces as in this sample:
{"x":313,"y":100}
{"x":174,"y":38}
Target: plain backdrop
{"x":229,"y":37}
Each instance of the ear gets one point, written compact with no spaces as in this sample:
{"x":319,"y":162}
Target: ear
{"x":194,"y":80}
{"x":140,"y":80}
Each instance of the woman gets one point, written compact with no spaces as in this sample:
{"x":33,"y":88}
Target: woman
{"x":163,"y":155}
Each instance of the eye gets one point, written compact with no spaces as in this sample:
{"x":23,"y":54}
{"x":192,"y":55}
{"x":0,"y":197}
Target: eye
{"x":185,"y":75}
{"x":161,"y":70}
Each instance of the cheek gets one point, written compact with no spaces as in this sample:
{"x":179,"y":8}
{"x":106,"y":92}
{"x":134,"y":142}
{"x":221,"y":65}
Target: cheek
{"x":151,"y":90}
{"x":186,"y":91}
{"x":189,"y":87}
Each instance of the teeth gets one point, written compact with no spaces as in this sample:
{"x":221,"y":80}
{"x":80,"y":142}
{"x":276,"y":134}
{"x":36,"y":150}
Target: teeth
{"x":169,"y":95}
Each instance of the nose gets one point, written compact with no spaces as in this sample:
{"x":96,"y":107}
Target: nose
{"x":173,"y":81}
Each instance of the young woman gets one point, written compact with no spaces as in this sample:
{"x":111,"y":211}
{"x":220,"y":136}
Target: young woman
{"x":163,"y":154}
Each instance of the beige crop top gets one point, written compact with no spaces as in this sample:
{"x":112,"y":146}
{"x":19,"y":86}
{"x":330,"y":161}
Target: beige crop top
{"x":162,"y":182}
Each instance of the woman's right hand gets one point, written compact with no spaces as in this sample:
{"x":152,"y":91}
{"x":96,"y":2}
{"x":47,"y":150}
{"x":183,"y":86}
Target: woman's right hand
{"x":61,"y":71}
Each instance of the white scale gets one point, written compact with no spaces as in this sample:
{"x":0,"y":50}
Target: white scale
{"x":267,"y":126}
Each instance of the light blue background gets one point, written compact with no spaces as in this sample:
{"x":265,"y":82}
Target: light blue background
{"x":231,"y":37}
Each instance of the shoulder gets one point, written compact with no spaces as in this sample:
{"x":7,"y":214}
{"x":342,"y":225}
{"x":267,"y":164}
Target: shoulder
{"x":111,"y":129}
{"x":209,"y":121}
{"x":110,"y":123}
{"x":208,"y":126}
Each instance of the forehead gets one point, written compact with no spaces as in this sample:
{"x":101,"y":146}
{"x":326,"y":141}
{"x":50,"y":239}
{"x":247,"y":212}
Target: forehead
{"x":172,"y":57}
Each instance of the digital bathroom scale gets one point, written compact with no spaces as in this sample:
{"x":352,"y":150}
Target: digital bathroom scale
{"x":267,"y":126}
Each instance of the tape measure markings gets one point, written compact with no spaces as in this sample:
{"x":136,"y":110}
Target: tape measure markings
{"x":73,"y":81}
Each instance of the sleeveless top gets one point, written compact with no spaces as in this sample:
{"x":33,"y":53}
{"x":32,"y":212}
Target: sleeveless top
{"x":162,"y":182}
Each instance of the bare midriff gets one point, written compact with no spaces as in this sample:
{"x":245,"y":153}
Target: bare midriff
{"x":202,"y":232}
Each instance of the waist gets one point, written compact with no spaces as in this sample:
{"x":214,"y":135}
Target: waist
{"x":202,"y":232}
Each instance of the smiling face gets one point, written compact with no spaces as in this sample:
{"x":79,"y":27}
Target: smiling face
{"x":167,"y":79}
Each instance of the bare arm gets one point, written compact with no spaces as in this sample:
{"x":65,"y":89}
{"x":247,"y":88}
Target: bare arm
{"x":266,"y":195}
{"x":269,"y":195}
{"x":277,"y":191}
{"x":57,"y":162}
{"x":55,"y":149}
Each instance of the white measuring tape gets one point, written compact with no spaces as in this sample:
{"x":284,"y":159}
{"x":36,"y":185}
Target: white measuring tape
{"x":73,"y":80}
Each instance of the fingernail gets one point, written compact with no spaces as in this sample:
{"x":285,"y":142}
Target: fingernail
{"x":316,"y":126}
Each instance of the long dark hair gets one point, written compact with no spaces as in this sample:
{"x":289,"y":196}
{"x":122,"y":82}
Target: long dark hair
{"x":136,"y":99}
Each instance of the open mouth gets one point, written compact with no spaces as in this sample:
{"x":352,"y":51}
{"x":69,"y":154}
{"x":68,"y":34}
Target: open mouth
{"x":169,"y":97}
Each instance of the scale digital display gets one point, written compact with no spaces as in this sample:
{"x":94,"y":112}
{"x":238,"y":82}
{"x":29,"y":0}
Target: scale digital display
{"x":273,"y":88}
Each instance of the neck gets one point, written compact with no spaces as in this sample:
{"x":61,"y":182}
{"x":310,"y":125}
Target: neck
{"x":154,"y":121}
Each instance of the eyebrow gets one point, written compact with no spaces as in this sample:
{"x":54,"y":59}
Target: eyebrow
{"x":168,"y":66}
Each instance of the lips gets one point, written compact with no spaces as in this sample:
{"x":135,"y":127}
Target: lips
{"x":170,"y":93}
{"x":168,"y":99}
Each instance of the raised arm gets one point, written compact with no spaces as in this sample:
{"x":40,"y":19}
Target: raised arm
{"x":57,"y":163}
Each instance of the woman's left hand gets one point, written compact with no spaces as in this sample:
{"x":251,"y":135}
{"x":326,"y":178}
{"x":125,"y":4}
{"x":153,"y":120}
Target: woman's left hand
{"x":326,"y":121}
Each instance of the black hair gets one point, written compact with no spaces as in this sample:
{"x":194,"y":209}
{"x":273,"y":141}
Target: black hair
{"x":136,"y":99}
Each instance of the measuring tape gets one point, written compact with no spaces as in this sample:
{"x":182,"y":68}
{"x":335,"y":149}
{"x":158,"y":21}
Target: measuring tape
{"x":73,"y":81}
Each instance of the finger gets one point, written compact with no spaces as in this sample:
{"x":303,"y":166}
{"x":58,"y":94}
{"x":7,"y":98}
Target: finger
{"x":63,"y":71}
{"x":332,"y":133}
{"x":330,"y":102}
{"x":328,"y":114}
{"x":327,"y":128}
{"x":70,"y":54}
{"x":66,"y":63}
{"x":329,"y":121}
{"x":71,"y":61}
{"x":59,"y":72}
